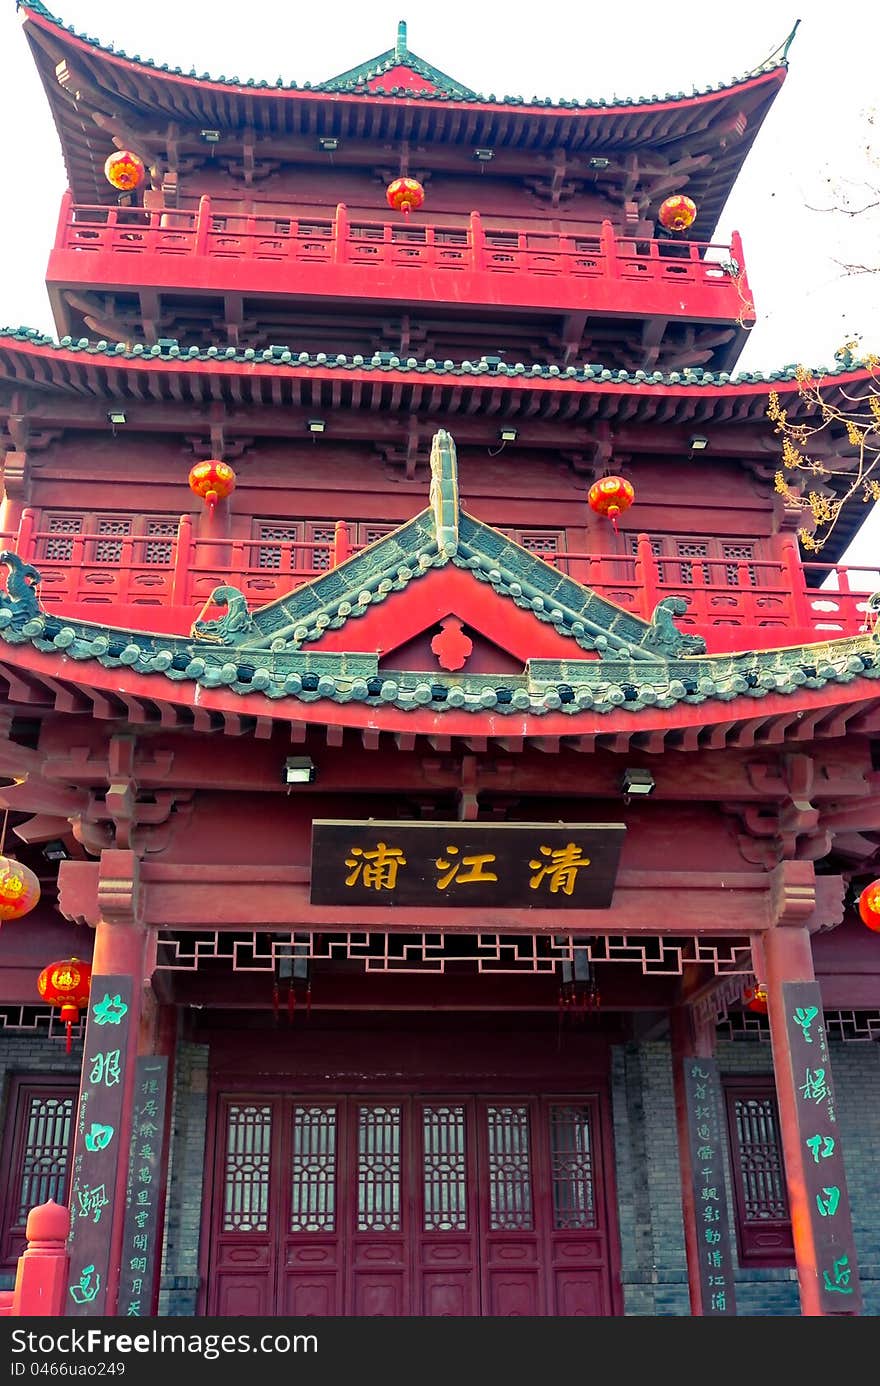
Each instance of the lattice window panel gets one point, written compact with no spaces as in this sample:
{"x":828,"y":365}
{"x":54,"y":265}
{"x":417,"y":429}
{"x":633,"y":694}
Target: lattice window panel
{"x":321,"y":534}
{"x":737,"y":568}
{"x":378,"y":1169}
{"x":159,"y":543}
{"x":370,"y":533}
{"x":269,"y":555}
{"x":111,"y":550}
{"x":541,"y":543}
{"x":510,"y":1175}
{"x":46,"y":1154}
{"x":444,"y":1169}
{"x":759,"y":1160}
{"x":687,"y":549}
{"x":313,"y":1169}
{"x":246,"y":1181}
{"x":58,"y":548}
{"x":571,"y":1168}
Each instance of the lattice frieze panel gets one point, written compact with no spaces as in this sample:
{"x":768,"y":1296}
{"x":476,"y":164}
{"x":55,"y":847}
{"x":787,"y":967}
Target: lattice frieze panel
{"x":37,"y":1020}
{"x":253,"y":951}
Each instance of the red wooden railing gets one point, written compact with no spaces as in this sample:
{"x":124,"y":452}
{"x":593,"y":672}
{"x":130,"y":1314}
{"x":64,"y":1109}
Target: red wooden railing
{"x":41,"y":1277}
{"x":342,"y":239}
{"x":115,"y":578}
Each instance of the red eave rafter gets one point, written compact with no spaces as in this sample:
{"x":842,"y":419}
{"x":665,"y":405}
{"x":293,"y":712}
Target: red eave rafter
{"x":48,"y":681}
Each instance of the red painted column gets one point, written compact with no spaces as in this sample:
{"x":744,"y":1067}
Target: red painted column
{"x":784,"y":954}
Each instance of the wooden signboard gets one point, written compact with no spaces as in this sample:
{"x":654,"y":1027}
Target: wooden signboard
{"x":96,"y":1148}
{"x":548,"y":866}
{"x":825,"y":1177}
{"x":706,"y":1143}
{"x":141,"y":1252}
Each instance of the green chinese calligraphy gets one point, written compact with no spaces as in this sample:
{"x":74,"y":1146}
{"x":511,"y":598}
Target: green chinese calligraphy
{"x":821,"y":1147}
{"x":84,"y":1290}
{"x":92,"y":1200}
{"x":106,"y":1068}
{"x":814,"y":1087}
{"x":110,"y":1010}
{"x":99,"y":1137}
{"x":838,"y":1279}
{"x":804,"y":1017}
{"x":829,"y":1204}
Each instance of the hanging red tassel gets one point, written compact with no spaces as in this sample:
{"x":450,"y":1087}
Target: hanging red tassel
{"x":69,"y":1035}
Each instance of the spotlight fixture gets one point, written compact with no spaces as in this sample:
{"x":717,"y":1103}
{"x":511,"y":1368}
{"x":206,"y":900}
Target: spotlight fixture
{"x":316,"y":425}
{"x":637,"y":783}
{"x":698,"y":442}
{"x":328,"y":143}
{"x":507,"y":435}
{"x":484,"y":155}
{"x":116,"y":417}
{"x":210,"y":136}
{"x":598,"y":163}
{"x":55,"y":850}
{"x":299,"y":770}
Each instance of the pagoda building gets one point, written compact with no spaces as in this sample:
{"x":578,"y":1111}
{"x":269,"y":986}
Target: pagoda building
{"x":450,"y":790}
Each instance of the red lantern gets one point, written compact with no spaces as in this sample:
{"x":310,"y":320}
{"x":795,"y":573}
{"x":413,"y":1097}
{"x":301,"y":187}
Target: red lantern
{"x":755,"y":999}
{"x":677,"y":213}
{"x":66,"y":984}
{"x":124,"y":170}
{"x":405,"y":195}
{"x":19,"y":889}
{"x":869,"y":906}
{"x":610,"y":496}
{"x":212,"y":481}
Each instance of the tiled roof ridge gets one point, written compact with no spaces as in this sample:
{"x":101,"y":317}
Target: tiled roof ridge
{"x":279,"y":355}
{"x":356,"y":87}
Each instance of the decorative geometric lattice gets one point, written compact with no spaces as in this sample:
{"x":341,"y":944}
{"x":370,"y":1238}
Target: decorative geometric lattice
{"x":510,"y":1179}
{"x":269,"y":555}
{"x":736,"y":572}
{"x":111,"y":550}
{"x":323,"y":537}
{"x":571,"y":1168}
{"x":58,"y":549}
{"x":253,"y":951}
{"x":246,"y":1186}
{"x":444,"y":1169}
{"x":313,"y":1169}
{"x":159,"y":548}
{"x":38,"y":1020}
{"x":46,"y":1151}
{"x":378,"y":1169}
{"x":761,"y":1173}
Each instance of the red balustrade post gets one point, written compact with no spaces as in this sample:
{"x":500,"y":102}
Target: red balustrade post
{"x":608,"y":248}
{"x":478,"y":242}
{"x":340,"y":234}
{"x":183,"y":558}
{"x":647,"y":575}
{"x":41,"y":1278}
{"x":203,"y":226}
{"x":341,"y":544}
{"x":795,"y":582}
{"x":24,"y":542}
{"x":64,"y":217}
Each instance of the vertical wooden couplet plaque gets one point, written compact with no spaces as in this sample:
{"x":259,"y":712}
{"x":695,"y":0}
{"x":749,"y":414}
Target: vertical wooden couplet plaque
{"x":704,"y":1121}
{"x":96,"y":1148}
{"x":139,"y":1278}
{"x":818,"y":1131}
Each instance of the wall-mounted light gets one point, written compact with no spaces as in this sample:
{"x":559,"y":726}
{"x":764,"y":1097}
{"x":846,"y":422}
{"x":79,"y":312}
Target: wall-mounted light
{"x":116,"y":417}
{"x":507,"y":435}
{"x":210,"y":136}
{"x":299,"y":770}
{"x":329,"y":144}
{"x":484,"y":155}
{"x":636,"y":783}
{"x":316,"y":425}
{"x":599,"y":162}
{"x":55,"y":850}
{"x":698,"y":442}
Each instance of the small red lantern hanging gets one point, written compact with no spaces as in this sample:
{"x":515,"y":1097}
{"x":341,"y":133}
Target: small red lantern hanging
{"x":755,"y":999}
{"x":124,"y":170}
{"x":405,"y":195}
{"x":212,"y":481}
{"x":66,"y":984}
{"x":610,"y":496}
{"x":19,"y":889}
{"x":677,"y":213}
{"x":869,"y":906}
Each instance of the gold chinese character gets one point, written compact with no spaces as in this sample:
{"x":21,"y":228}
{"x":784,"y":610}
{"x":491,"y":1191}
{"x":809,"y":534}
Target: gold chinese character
{"x":376,"y":870}
{"x":475,"y":869}
{"x":561,"y":870}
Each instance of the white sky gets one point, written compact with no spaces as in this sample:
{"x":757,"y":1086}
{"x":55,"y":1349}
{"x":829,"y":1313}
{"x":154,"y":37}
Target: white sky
{"x":806,"y":304}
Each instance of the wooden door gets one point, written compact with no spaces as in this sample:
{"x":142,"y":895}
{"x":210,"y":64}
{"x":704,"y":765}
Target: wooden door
{"x":398,"y":1206}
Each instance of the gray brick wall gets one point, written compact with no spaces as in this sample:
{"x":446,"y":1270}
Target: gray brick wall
{"x":186,"y":1168}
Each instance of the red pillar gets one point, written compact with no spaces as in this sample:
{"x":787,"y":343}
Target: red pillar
{"x":788,"y":957}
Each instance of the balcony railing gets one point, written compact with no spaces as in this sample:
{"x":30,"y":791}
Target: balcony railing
{"x":714,"y":272}
{"x":162,"y":584}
